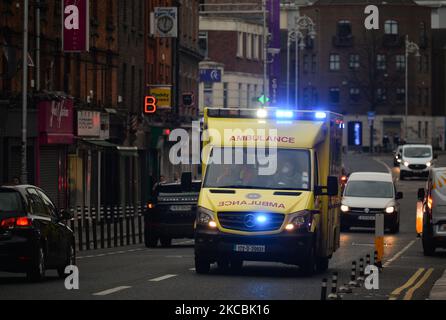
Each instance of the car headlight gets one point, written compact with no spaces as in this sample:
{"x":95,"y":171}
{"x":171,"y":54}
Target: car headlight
{"x":390,"y":209}
{"x":428,"y":164}
{"x":345,"y":208}
{"x":205,"y":217}
{"x":406,"y":164}
{"x":299,"y":220}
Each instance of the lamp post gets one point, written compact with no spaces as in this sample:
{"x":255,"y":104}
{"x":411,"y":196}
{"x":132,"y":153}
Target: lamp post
{"x":303,"y":25}
{"x":24,"y":170}
{"x":411,"y":48}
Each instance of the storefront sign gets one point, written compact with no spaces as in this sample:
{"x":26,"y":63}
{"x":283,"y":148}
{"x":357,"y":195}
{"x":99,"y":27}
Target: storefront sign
{"x":75,"y":25}
{"x":56,"y":121}
{"x":166,"y":22}
{"x":88,"y":124}
{"x":163,"y":95}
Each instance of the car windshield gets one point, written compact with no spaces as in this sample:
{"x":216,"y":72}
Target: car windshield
{"x":369,"y":189}
{"x":417,"y":152}
{"x":292,"y":171}
{"x":176,"y":188}
{"x":10,"y":201}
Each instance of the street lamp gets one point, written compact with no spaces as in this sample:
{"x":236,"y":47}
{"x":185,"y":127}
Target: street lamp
{"x":303,"y":25}
{"x":411,"y":48}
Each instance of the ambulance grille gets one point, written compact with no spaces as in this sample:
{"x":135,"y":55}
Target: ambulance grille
{"x":247,"y":221}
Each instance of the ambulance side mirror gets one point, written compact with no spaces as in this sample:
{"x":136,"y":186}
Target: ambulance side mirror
{"x":332,"y":186}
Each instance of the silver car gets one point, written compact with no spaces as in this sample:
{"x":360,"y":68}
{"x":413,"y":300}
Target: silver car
{"x":433,"y":198}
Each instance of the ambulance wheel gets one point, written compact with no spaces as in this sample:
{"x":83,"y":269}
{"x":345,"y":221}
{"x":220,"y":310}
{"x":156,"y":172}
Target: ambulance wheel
{"x":322,"y":264}
{"x":202,"y":265}
{"x":427,"y":240}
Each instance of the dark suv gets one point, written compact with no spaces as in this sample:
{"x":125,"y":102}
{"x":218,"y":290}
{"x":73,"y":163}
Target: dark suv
{"x":33,"y":237}
{"x":172,"y":213}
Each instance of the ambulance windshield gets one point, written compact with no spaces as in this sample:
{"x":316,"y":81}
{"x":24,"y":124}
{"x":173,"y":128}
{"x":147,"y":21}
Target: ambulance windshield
{"x":251,"y":168}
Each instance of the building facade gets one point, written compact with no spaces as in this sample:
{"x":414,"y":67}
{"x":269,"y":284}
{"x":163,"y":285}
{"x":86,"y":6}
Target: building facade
{"x":361,"y":73}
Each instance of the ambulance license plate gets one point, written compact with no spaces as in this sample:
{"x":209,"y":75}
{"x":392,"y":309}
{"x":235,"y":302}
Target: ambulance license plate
{"x":249,"y":248}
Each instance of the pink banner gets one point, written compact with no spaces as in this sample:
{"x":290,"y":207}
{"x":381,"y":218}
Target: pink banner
{"x":75,"y":25}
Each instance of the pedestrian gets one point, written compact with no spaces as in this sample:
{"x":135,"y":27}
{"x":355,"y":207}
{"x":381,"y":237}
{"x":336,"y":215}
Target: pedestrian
{"x":161,"y":181}
{"x":16,"y":181}
{"x":176,"y":178}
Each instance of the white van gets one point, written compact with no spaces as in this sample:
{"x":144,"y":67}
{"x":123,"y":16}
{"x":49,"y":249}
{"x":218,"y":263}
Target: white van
{"x":416,"y":160}
{"x":433,"y":199}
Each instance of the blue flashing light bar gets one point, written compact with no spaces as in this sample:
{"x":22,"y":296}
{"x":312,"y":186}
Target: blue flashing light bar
{"x":284,"y":114}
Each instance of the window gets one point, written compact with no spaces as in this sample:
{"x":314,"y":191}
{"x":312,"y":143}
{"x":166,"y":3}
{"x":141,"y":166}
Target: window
{"x":354,"y":94}
{"x":344,"y":29}
{"x":36,"y":203}
{"x":306,"y":63}
{"x":240,"y":88}
{"x":391,"y":27}
{"x":313,"y":63}
{"x":225,"y":95}
{"x":208,"y":94}
{"x":248,"y":95}
{"x":306,"y":97}
{"x":335,"y":62}
{"x":249,"y":46}
{"x":381,"y":94}
{"x":400,"y":95}
{"x":255,"y":46}
{"x":381,"y":63}
{"x":354,"y":62}
{"x":334,"y":95}
{"x":426,"y":97}
{"x":240,"y":44}
{"x":51,"y":209}
{"x":400,"y":62}
{"x":203,"y":43}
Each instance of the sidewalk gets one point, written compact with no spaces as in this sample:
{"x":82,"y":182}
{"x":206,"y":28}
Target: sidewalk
{"x":439,"y":290}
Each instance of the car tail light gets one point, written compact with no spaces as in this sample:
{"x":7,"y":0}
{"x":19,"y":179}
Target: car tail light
{"x":23,"y":222}
{"x":11,"y":223}
{"x":7,"y":223}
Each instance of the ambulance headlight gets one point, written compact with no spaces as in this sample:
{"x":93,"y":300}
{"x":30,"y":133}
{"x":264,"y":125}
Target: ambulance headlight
{"x":205,"y":216}
{"x":344,"y":208}
{"x":299,"y":220}
{"x":406,"y":164}
{"x":428,"y":164}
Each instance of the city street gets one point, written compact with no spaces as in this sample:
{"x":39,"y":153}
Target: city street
{"x":140,"y":273}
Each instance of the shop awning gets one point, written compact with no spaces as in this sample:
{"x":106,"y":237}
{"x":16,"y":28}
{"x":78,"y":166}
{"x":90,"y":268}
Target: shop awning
{"x":105,"y":145}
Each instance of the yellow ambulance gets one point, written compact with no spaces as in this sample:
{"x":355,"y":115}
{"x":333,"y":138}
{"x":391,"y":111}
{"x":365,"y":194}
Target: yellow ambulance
{"x":270,"y":188}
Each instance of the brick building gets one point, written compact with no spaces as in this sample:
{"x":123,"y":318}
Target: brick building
{"x":354,"y":71}
{"x":233,"y":46}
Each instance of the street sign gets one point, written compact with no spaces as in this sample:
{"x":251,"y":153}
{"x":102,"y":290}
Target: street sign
{"x":371,"y":115}
{"x":75,"y":29}
{"x":163,"y":95}
{"x":210,"y":75}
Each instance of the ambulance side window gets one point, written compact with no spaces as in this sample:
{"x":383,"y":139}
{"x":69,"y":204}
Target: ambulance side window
{"x":316,"y":170}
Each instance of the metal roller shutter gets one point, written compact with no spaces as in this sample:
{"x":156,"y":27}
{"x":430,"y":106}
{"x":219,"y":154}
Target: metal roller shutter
{"x":49,"y":172}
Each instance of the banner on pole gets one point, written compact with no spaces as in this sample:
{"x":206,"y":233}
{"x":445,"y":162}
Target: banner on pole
{"x":75,"y":25}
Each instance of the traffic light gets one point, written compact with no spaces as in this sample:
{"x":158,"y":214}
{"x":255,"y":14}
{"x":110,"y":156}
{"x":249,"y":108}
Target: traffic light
{"x":188,"y":99}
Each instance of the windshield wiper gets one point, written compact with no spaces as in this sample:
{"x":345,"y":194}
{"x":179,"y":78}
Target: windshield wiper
{"x":241,"y":187}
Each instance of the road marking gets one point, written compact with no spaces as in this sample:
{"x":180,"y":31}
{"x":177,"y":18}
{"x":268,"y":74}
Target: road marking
{"x":192,"y":269}
{"x":111,"y":253}
{"x":110,"y":291}
{"x":411,"y":291}
{"x":396,"y":256}
{"x":167,"y":276}
{"x":394,"y":295}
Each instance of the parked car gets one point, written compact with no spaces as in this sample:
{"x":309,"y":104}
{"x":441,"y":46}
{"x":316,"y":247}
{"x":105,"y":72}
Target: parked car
{"x":367,"y":194}
{"x":33,"y":237}
{"x":172,"y":213}
{"x":433,"y":199}
{"x":416,"y":160}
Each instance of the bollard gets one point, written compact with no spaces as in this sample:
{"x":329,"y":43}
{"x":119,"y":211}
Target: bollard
{"x":324,"y":289}
{"x":377,"y":262}
{"x":94,"y":227}
{"x":87,"y":227}
{"x":121,"y":226}
{"x":140,"y":232}
{"x":361,"y":270}
{"x":334,"y":287}
{"x":102,"y":230}
{"x":115,"y":226}
{"x":127,"y":225}
{"x":353,"y":283}
{"x":367,"y":259}
{"x":79,"y":228}
{"x":109,"y":233}
{"x":132,"y":217}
